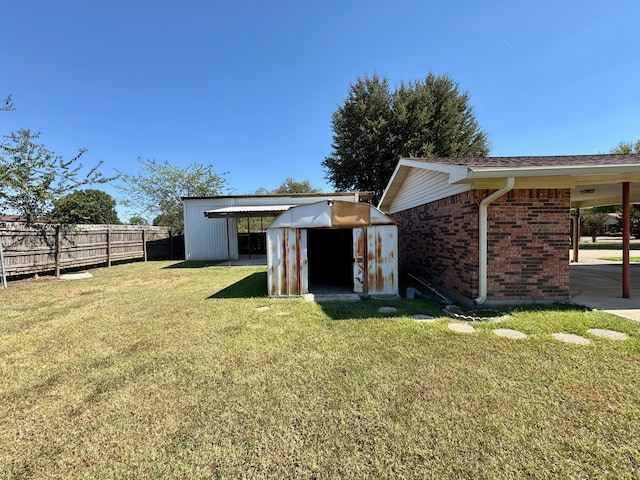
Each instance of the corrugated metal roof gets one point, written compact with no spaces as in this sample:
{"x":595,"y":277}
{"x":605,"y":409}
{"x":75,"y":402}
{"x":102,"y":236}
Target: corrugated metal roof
{"x":248,"y":211}
{"x":362,"y":196}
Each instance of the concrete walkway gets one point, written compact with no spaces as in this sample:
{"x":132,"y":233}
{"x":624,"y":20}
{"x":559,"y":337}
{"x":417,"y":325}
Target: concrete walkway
{"x":597,"y":284}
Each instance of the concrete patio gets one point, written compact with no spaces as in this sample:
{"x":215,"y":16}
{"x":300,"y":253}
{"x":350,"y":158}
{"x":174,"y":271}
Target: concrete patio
{"x":597,"y":284}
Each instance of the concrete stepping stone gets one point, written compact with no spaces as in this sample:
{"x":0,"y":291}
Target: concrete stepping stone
{"x":75,"y":276}
{"x":571,"y":338}
{"x":461,"y":327}
{"x":387,"y":309}
{"x":420,"y":317}
{"x":509,"y":333}
{"x":610,"y":334}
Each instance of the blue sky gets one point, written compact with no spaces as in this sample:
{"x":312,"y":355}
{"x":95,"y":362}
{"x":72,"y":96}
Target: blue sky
{"x":250,"y":86}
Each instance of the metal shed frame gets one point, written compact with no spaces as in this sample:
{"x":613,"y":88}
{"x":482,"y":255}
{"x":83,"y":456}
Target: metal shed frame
{"x":373,"y":237}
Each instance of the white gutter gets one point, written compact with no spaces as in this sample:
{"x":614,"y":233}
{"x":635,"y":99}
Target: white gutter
{"x":549,"y":171}
{"x":482,"y":240}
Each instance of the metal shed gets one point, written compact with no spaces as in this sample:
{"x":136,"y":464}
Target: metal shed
{"x":332,"y":247}
{"x":211,"y":223}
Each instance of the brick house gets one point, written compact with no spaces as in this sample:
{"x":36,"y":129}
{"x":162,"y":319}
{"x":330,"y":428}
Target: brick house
{"x":497,"y":230}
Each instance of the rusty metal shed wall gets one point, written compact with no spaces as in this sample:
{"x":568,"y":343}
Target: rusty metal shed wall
{"x":375,"y":247}
{"x":287,"y":273}
{"x":377,"y":256}
{"x":382,"y":265}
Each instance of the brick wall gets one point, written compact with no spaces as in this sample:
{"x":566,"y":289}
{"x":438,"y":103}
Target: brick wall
{"x":528,"y":242}
{"x":439,"y":241}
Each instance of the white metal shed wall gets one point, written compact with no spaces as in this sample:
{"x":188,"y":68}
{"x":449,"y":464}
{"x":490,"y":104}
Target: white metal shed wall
{"x":206,"y":238}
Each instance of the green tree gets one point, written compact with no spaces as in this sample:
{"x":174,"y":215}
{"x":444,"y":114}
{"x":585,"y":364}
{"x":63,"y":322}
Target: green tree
{"x":593,"y":223}
{"x":288,"y":186}
{"x":32,"y":177}
{"x":362,"y":156}
{"x":138,"y":220}
{"x":157,"y":189}
{"x":375,"y":127}
{"x":93,"y":207}
{"x":291,"y":186}
{"x":627,"y":148}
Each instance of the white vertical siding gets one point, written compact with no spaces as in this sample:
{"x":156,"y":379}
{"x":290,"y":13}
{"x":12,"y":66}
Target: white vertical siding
{"x":206,"y":238}
{"x":424,"y":186}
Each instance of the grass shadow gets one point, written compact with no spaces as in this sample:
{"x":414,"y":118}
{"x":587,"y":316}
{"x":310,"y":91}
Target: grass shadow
{"x":195,"y":264}
{"x":254,"y":285}
{"x":370,"y":308}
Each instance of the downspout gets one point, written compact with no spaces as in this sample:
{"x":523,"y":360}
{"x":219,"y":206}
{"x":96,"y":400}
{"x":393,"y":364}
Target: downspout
{"x":482,"y":239}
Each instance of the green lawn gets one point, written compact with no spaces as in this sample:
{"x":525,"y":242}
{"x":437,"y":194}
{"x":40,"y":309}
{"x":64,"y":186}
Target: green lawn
{"x":607,"y":246}
{"x":164,"y":370}
{"x":619,"y":259}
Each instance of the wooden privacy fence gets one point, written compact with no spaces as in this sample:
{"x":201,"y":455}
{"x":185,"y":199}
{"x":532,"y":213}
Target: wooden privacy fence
{"x":37,"y":248}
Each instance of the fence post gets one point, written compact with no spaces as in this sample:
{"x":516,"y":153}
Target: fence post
{"x":4,"y":271}
{"x":144,"y":243}
{"x":108,"y":246}
{"x":171,"y":244}
{"x":58,"y":250}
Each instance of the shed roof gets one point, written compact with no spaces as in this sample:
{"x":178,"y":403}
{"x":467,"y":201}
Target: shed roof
{"x":247,"y":211}
{"x":363,"y":196}
{"x":593,"y":179}
{"x":331,"y":214}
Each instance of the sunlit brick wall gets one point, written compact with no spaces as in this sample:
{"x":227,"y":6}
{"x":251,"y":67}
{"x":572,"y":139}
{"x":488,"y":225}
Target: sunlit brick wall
{"x":528,"y":244}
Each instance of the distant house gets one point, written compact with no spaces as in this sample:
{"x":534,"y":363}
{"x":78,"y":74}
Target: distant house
{"x":497,"y":229}
{"x":612,"y":223}
{"x":12,"y":218}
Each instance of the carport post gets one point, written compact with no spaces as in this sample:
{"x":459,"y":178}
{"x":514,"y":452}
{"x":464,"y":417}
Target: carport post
{"x":626,"y":234}
{"x":228,"y":244}
{"x":576,"y":236}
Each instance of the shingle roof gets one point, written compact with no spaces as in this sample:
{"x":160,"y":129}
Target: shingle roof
{"x":554,"y":161}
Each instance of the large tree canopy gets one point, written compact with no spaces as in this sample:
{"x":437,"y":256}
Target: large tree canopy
{"x":627,"y":147}
{"x":291,"y":186}
{"x":85,"y":207}
{"x":157,"y":189}
{"x":375,"y":127}
{"x":32,"y":177}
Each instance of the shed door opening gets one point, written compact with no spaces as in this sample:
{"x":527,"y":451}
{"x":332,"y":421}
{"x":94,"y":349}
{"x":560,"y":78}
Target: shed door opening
{"x":330,"y":257}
